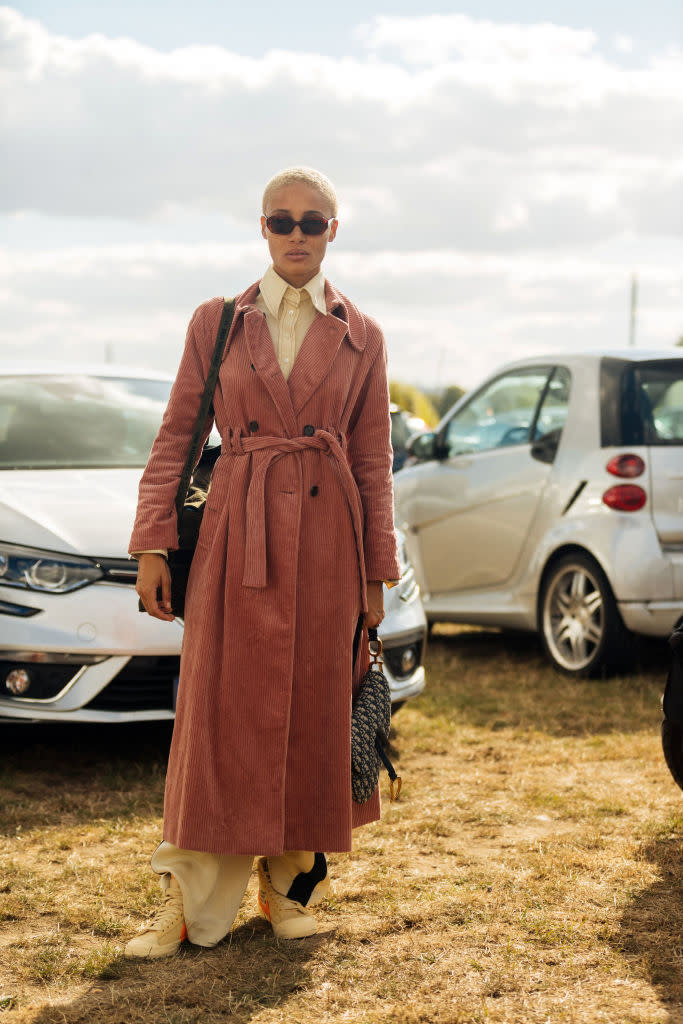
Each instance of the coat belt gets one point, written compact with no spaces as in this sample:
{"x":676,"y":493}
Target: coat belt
{"x":266,"y":450}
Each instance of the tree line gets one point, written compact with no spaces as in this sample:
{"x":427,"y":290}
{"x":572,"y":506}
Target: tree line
{"x":430,"y":406}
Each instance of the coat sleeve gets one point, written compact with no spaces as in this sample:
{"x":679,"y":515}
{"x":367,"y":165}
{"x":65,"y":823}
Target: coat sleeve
{"x":155,"y":521}
{"x":371,"y":458}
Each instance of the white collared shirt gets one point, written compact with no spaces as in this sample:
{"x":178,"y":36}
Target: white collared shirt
{"x":289,"y":313}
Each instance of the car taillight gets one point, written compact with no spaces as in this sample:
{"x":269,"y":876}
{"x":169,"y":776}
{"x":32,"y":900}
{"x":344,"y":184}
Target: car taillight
{"x":625,"y":497}
{"x":627,"y":465}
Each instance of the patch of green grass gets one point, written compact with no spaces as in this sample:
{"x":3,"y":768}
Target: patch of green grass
{"x":104,"y":964}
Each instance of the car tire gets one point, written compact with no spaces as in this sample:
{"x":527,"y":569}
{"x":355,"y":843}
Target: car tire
{"x":580,"y":626}
{"x":672,"y":745}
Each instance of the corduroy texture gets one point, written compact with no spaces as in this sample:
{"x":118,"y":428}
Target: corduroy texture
{"x":260,"y":758}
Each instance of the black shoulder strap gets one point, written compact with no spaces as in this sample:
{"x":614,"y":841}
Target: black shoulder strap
{"x":207,"y":398}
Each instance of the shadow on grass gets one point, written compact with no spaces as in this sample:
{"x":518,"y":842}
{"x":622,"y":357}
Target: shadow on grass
{"x":493,"y":679}
{"x":244,"y":975}
{"x":51,"y":773}
{"x":649,"y":936}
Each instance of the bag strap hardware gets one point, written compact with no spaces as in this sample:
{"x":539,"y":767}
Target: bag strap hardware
{"x":376,"y":650}
{"x":205,"y":404}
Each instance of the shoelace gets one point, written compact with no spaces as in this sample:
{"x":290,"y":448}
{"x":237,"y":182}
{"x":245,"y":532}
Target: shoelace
{"x":283,"y":903}
{"x":170,"y":912}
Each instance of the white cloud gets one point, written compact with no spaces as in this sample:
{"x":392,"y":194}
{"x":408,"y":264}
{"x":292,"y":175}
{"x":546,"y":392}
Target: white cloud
{"x":624,"y":44}
{"x":438,"y":38}
{"x":447,"y":311}
{"x":505,"y":178}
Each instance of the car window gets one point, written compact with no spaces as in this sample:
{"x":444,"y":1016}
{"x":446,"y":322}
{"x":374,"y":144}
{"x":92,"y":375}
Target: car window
{"x":662,"y":404}
{"x":399,"y":430}
{"x":554,"y":404}
{"x":649,"y":402}
{"x":78,"y":420}
{"x":499,"y":415}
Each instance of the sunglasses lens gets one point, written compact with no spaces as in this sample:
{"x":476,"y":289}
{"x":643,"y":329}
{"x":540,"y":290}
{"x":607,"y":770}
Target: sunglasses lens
{"x":285,"y":225}
{"x":313,"y":226}
{"x":280,"y":225}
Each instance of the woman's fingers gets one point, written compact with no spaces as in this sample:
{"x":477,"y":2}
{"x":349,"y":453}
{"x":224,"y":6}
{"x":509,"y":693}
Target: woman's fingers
{"x":375,"y":613}
{"x":166,"y":590}
{"x":372,"y":620}
{"x":154,"y":586}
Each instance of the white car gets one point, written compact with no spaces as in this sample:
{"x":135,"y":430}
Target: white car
{"x":551,"y":499}
{"x":73,"y":645}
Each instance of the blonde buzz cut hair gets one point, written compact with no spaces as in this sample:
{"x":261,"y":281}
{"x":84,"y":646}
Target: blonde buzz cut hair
{"x":304,"y":176}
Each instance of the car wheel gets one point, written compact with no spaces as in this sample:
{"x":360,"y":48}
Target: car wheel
{"x":672,"y":745}
{"x":581,"y":629}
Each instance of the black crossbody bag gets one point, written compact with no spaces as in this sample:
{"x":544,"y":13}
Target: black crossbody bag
{"x":195,"y":478}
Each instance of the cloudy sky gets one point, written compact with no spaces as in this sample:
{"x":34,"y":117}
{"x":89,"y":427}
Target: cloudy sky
{"x":504,"y":169}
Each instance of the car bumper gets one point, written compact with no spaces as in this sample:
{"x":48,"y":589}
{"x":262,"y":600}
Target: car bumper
{"x":651,"y":618}
{"x":95,"y":682}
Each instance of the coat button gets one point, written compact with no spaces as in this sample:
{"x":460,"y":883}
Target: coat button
{"x":314,"y":490}
{"x":309,"y":431}
{"x":253,"y":427}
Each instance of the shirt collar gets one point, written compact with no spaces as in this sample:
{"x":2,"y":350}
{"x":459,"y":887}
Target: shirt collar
{"x":273,"y":288}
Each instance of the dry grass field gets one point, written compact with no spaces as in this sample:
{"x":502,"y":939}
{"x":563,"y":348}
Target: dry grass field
{"x":532,"y":871}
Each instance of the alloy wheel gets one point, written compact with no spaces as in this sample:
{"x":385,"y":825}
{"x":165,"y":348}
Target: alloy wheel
{"x":574,"y":617}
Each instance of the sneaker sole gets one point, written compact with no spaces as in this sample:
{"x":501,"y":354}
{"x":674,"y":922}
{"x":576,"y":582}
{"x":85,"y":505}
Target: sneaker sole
{"x":154,"y":951}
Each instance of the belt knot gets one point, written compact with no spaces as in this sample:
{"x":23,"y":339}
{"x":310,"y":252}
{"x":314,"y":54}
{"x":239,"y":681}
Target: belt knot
{"x":266,"y":449}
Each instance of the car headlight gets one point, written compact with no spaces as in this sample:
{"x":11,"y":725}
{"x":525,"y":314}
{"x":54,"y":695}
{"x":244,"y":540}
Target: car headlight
{"x":403,"y":560}
{"x":46,"y":571}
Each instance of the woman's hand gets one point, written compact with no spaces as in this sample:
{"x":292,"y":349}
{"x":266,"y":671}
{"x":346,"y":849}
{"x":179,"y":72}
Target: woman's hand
{"x":154,"y":575}
{"x":375,"y":613}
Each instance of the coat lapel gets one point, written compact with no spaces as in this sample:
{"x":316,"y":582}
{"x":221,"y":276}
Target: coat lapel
{"x":319,"y":348}
{"x":315,"y":358}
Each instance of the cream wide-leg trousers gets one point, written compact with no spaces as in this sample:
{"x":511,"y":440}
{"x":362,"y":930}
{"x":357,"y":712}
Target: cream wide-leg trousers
{"x":213,"y":885}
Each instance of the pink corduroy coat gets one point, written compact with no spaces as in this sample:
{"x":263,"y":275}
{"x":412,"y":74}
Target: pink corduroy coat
{"x":299,"y":516}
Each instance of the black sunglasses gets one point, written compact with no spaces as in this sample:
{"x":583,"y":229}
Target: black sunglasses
{"x":309,"y":225}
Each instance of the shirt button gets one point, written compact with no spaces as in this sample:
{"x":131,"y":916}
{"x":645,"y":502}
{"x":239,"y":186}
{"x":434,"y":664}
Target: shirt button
{"x":291,"y":312}
{"x":253,"y":427}
{"x":314,"y":491}
{"x":308,"y":430}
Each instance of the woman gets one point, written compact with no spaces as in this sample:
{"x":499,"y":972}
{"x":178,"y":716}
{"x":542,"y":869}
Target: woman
{"x":296,"y":541}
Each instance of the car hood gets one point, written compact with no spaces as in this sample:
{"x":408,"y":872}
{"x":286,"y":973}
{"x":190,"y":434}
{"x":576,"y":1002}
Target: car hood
{"x":82,"y":511}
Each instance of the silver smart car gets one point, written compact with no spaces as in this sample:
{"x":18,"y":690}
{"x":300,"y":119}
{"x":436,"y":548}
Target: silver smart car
{"x":551,"y":499}
{"x":73,"y":646}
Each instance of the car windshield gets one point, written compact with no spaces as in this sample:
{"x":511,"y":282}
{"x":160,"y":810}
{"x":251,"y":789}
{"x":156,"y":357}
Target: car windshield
{"x":78,"y":420}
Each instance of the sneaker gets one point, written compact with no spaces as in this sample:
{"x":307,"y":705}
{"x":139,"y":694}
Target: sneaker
{"x":311,"y":887}
{"x":289,"y":919}
{"x":167,"y":930}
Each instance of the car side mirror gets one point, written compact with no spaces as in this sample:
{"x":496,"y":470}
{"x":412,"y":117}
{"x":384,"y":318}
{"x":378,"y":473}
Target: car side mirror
{"x":545,"y":448}
{"x":422,"y":447}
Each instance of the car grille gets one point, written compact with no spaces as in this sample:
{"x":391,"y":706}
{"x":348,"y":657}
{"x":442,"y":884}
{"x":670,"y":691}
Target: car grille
{"x":144,"y":684}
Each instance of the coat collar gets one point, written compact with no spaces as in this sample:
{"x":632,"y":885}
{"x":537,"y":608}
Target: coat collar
{"x":337,"y":305}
